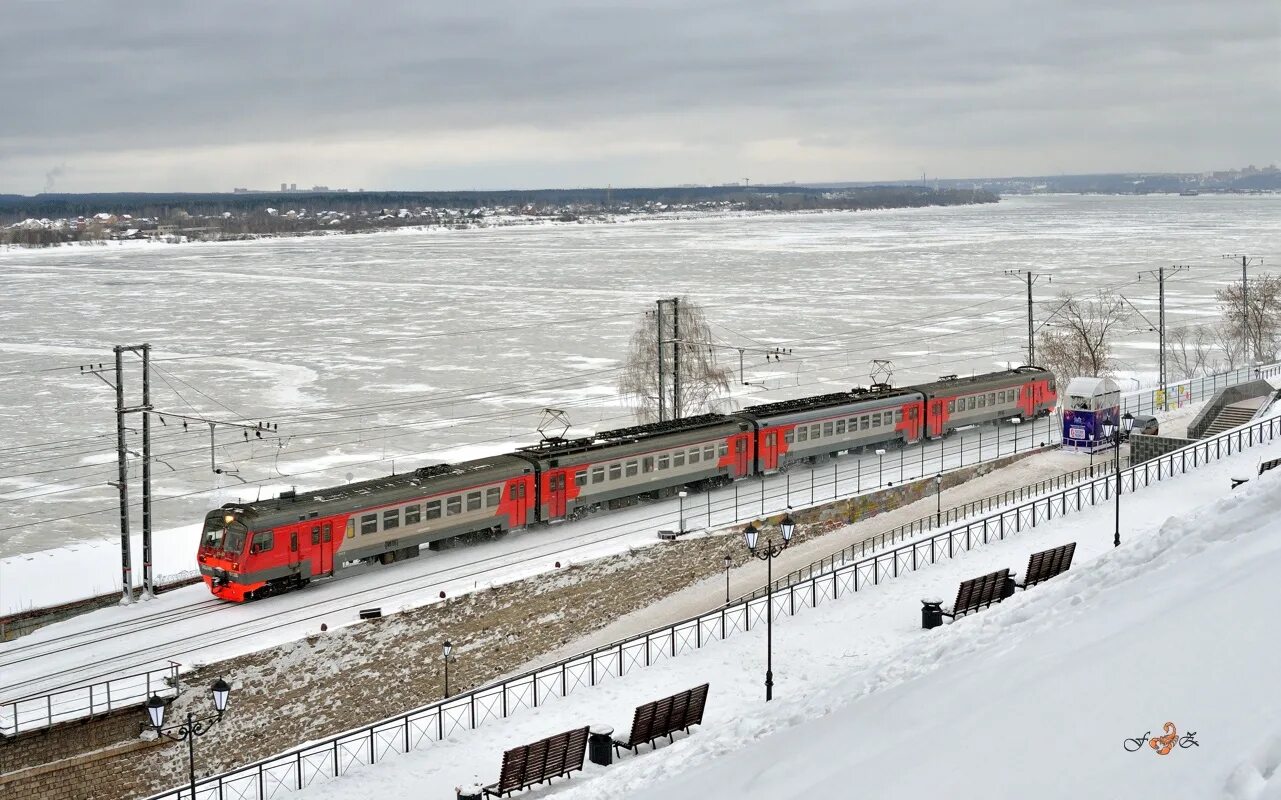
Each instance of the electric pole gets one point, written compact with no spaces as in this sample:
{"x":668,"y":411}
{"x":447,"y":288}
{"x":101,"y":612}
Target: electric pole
{"x":676,"y":358}
{"x":1032,"y":278}
{"x":122,"y":466}
{"x":1246,"y":263}
{"x":662,"y":391}
{"x":1160,"y":277}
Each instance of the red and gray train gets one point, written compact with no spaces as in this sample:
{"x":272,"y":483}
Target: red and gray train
{"x":250,"y":550}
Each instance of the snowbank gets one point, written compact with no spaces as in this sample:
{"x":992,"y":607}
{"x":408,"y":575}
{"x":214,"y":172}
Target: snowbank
{"x":1035,"y":697}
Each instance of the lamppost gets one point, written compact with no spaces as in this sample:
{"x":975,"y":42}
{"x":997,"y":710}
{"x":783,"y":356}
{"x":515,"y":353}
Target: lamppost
{"x":448,"y":650}
{"x":728,"y":563}
{"x":938,"y":500}
{"x":682,"y":494}
{"x":1016,"y":422}
{"x":193,"y":727}
{"x":880,"y":474}
{"x":1113,"y":432}
{"x":767,"y":554}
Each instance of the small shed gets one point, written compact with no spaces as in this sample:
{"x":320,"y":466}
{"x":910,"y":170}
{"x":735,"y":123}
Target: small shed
{"x":1087,"y":403}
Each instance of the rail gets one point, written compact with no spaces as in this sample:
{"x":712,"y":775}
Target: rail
{"x":931,"y":522}
{"x":321,"y":761}
{"x":42,"y":711}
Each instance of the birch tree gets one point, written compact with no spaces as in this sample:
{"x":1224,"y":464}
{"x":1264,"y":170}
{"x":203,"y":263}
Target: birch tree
{"x":702,"y":380}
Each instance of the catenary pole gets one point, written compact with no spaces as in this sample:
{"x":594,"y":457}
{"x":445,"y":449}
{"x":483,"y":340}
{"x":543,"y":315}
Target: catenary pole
{"x":676,"y":358}
{"x":148,"y":580}
{"x":122,"y":481}
{"x":662,"y":390}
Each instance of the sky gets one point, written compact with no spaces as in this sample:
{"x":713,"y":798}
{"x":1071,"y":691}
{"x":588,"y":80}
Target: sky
{"x":405,"y":94}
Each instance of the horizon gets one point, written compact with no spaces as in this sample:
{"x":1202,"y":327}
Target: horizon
{"x":184,"y":99}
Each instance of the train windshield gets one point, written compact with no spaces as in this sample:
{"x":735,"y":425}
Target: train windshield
{"x":221,"y":536}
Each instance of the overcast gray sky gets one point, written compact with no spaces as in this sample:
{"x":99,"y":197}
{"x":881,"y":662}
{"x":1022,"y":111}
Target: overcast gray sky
{"x":422,"y":94}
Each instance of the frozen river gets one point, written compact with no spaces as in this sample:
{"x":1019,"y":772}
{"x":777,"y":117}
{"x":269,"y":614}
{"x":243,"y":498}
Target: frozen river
{"x":425,"y":346}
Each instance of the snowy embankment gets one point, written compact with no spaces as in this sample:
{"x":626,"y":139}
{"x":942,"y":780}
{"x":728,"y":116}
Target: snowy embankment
{"x":1035,"y":697}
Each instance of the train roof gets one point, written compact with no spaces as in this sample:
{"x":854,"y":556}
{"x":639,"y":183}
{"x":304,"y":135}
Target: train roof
{"x":289,"y":506}
{"x":950,"y":382}
{"x":560,"y":447}
{"x":856,"y":395}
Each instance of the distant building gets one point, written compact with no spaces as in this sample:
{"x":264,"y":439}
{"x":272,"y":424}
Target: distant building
{"x":293,"y":187}
{"x":284,"y":187}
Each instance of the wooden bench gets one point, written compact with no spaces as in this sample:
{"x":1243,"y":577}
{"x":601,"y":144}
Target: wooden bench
{"x":541,"y":761}
{"x":972,"y":595}
{"x":665,"y":717}
{"x":1046,"y":564}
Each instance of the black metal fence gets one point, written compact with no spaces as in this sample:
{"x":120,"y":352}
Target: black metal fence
{"x":318,"y":762}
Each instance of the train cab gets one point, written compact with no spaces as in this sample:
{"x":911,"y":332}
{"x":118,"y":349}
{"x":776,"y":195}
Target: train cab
{"x":222,"y":556}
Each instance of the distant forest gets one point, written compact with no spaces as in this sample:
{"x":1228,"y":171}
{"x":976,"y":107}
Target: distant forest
{"x":162,"y":206}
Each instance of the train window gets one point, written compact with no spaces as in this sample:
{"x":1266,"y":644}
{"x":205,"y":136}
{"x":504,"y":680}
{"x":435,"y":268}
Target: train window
{"x":633,"y":467}
{"x":678,"y":459}
{"x":802,"y":434}
{"x":391,"y":519}
{"x":982,"y":401}
{"x":696,"y":455}
{"x":898,"y":415}
{"x":351,"y":527}
{"x":972,"y":403}
{"x":315,"y":534}
{"x":647,"y":464}
{"x":840,"y":427}
{"x":709,"y":453}
{"x":790,"y":436}
{"x":329,"y":532}
{"x":827,"y":429}
{"x":991,"y":398}
{"x":814,"y":431}
{"x":262,"y":542}
{"x":951,"y":406}
{"x":454,"y":505}
{"x":368,"y":524}
{"x":293,"y":541}
{"x":433,"y":506}
{"x":474,"y":498}
{"x":663,"y":461}
{"x":413,"y":514}
{"x":580,"y":477}
{"x":876,"y":420}
{"x":493,"y":495}
{"x":615,"y":471}
{"x":722,"y":449}
{"x":598,"y":474}
{"x":864,"y":423}
{"x":740,"y":446}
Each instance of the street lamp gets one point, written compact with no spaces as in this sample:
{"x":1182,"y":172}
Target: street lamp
{"x":1016,"y":422}
{"x":728,"y":563}
{"x":880,"y":461}
{"x":767,"y":554}
{"x":193,"y":727}
{"x":448,"y":650}
{"x":1113,"y":432}
{"x":938,"y":500}
{"x":682,"y":494}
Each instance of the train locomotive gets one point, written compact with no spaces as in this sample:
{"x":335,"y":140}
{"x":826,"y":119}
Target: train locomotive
{"x":252,"y":550}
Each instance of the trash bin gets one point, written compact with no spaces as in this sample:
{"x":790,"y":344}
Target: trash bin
{"x":1007,"y":591}
{"x":471,"y":791}
{"x":600,"y":745}
{"x":931,"y":613}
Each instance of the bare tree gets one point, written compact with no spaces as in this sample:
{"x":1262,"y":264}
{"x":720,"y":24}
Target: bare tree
{"x":1077,"y":339}
{"x":1189,"y":350}
{"x":702,"y":380}
{"x":1227,"y":340}
{"x":1259,"y":317}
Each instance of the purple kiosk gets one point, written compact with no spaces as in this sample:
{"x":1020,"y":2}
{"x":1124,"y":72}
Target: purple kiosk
{"x":1087,"y":402}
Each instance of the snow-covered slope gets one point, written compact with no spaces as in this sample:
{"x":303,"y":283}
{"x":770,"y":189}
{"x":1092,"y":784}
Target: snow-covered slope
{"x":1035,"y":697}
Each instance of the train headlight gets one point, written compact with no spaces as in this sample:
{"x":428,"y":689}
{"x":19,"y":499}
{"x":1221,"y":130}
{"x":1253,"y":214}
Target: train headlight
{"x":229,"y":518}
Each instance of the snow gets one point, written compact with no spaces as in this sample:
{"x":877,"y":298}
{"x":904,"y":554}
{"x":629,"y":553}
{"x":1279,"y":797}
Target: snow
{"x":1034,"y":697}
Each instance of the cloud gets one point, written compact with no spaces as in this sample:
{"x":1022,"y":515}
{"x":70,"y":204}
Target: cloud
{"x":514,"y":93}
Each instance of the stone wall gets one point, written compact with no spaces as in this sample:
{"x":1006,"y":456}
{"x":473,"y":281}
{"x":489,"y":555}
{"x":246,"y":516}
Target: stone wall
{"x":1145,"y":448}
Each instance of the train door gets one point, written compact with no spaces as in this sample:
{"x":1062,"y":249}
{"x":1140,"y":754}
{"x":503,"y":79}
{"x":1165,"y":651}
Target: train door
{"x":741,"y":455}
{"x":293,"y":548}
{"x":322,"y":548}
{"x":556,"y":499}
